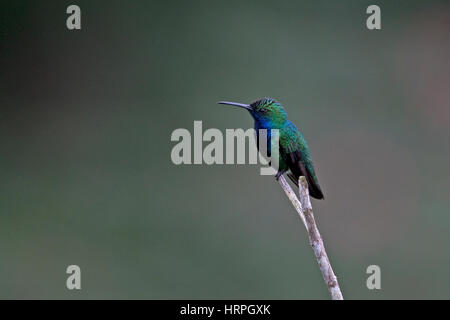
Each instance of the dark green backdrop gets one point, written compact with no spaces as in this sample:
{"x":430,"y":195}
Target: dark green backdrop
{"x":85,"y":170}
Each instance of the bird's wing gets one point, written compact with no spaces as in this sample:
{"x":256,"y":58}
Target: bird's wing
{"x":295,"y":154}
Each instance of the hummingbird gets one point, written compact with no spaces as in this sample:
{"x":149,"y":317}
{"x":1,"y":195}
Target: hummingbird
{"x":295,"y":159}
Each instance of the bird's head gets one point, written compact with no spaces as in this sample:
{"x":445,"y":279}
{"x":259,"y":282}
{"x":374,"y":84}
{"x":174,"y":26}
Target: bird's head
{"x":266,"y":110}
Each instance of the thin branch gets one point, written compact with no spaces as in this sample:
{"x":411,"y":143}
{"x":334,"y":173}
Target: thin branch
{"x":291,"y":195}
{"x":304,"y":210}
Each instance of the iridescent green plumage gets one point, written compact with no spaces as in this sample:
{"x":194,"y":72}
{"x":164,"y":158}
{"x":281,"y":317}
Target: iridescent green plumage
{"x":294,"y":152}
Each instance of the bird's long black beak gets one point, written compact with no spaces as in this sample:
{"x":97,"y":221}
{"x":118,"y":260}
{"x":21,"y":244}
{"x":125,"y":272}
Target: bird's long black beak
{"x":240,"y":105}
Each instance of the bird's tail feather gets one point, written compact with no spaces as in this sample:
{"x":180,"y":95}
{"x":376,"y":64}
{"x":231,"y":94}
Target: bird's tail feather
{"x":314,"y":188}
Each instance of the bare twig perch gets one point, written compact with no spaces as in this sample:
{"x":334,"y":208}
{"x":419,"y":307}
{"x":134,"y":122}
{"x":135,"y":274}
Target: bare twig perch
{"x":304,"y":209}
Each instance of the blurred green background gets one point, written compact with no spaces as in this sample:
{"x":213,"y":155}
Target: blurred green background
{"x":86,"y":176}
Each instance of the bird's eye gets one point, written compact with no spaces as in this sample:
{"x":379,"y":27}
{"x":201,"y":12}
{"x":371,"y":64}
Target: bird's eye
{"x":262,"y":110}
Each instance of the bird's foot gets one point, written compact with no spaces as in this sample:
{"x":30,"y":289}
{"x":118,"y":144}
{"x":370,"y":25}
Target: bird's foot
{"x":279,"y":174}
